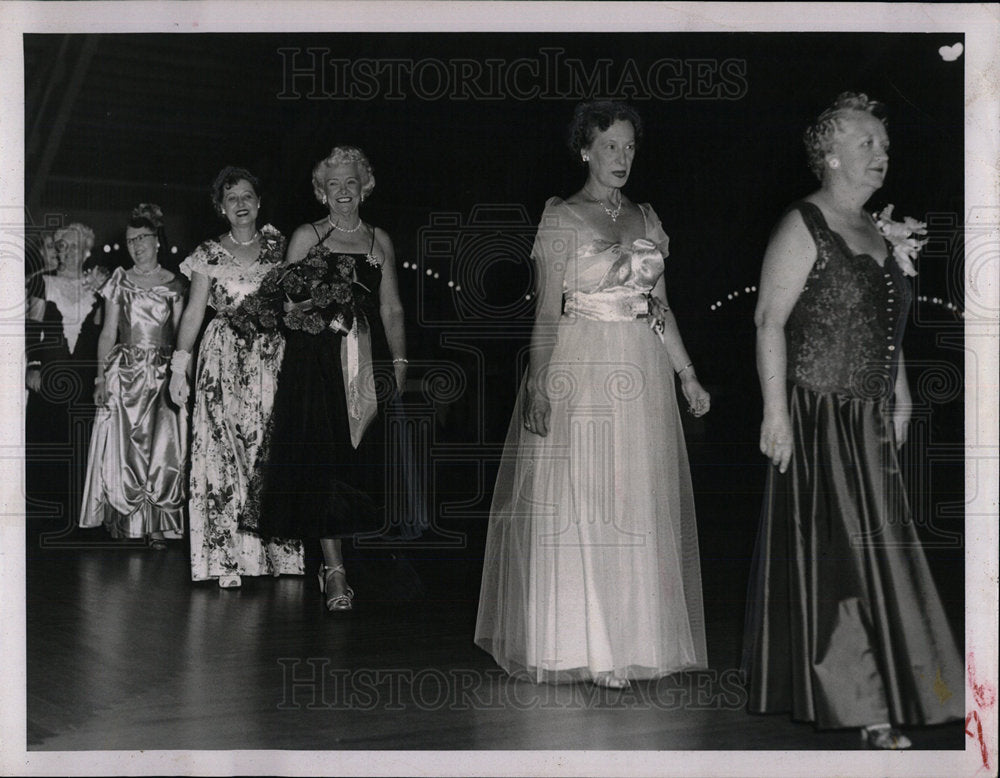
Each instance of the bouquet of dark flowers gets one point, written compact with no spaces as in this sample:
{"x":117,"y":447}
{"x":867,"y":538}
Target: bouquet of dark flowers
{"x":310,"y":296}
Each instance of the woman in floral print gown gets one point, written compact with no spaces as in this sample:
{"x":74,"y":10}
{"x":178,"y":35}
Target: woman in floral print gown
{"x":235,"y":384}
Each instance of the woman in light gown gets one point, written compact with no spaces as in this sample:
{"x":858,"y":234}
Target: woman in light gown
{"x":234,"y":390}
{"x":591,"y":567}
{"x":135,"y":482}
{"x":844,"y":625}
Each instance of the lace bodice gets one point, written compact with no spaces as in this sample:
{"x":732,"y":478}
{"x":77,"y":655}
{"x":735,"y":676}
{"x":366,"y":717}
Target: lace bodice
{"x":846,"y":329}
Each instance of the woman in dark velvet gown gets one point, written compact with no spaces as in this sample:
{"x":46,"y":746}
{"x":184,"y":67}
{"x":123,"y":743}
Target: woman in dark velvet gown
{"x":64,"y":321}
{"x":845,"y":627}
{"x":325,"y":474}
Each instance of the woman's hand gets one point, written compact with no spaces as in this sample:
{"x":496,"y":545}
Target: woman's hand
{"x":903,"y":407}
{"x":699,"y":401}
{"x":33,"y":379}
{"x":901,"y":422}
{"x":100,"y":393}
{"x":400,"y":369}
{"x":179,"y":389}
{"x":537,"y":412}
{"x":776,"y":439}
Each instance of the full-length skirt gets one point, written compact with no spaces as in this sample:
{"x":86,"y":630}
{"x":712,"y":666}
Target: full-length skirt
{"x":136,"y":472}
{"x":315,"y":483}
{"x":234,"y":392}
{"x":845,"y":627}
{"x":591,"y":563}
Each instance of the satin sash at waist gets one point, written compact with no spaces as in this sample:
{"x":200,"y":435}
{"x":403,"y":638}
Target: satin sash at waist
{"x":607,"y":306}
{"x":357,"y":369}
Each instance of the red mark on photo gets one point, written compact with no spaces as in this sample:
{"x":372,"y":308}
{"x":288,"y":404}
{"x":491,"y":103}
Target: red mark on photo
{"x":986,"y":695}
{"x":978,"y":735}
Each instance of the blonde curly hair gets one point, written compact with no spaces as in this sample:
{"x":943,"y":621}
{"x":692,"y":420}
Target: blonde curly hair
{"x":337,"y":156}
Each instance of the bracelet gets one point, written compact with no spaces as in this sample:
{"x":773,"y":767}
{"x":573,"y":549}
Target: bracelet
{"x":34,"y":365}
{"x":688,"y":365}
{"x":99,"y":380}
{"x":179,"y":361}
{"x":397,"y":360}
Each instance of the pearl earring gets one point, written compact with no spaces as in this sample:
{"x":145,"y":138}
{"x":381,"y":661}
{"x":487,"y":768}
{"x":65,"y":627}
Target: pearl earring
{"x":834,"y":163}
{"x":586,"y":158}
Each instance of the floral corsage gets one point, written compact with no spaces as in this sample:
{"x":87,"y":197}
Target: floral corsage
{"x":905,"y":247}
{"x":272,"y":245}
{"x":95,"y":277}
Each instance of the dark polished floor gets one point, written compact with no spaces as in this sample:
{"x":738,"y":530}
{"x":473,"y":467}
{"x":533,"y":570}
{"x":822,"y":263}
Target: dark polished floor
{"x":125,"y":652}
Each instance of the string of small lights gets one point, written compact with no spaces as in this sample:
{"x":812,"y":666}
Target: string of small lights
{"x":922,"y":298}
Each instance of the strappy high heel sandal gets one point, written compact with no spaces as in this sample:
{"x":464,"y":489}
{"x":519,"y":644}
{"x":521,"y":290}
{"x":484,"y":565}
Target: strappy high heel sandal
{"x":335,"y":602}
{"x":885,"y":737}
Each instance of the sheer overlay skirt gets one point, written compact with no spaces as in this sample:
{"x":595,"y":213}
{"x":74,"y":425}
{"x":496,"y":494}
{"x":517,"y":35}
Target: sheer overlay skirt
{"x":591,"y":562}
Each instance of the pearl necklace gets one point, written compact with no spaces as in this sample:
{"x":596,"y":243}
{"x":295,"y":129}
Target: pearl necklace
{"x":240,"y":242}
{"x":140,"y":272}
{"x":613,"y":213}
{"x":344,"y":229}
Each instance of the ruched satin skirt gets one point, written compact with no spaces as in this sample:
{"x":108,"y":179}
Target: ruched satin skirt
{"x":136,"y":479}
{"x":844,"y":624}
{"x":591,"y":561}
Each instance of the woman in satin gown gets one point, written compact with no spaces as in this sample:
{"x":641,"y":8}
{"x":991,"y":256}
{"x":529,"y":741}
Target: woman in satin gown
{"x":64,"y":320}
{"x":325,"y":478}
{"x":135,"y":483}
{"x":844,"y":626}
{"x":234,"y":391}
{"x":591,"y":567}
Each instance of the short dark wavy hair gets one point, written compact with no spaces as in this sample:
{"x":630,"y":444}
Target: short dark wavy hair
{"x":818,"y":137}
{"x":228,"y":177}
{"x":148,"y":215}
{"x":594,"y":116}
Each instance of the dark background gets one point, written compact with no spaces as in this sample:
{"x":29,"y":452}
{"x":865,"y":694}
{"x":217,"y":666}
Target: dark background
{"x":113,"y":120}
